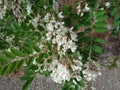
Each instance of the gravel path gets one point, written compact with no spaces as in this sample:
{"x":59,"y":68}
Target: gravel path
{"x":40,"y":83}
{"x":110,"y":80}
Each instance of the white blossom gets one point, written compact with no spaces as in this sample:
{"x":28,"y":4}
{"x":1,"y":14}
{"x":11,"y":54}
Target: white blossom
{"x":47,"y":17}
{"x":35,"y":21}
{"x":92,"y":70}
{"x":45,"y":7}
{"x":50,"y":27}
{"x":77,"y":65}
{"x":60,"y":15}
{"x":86,"y":8}
{"x":9,"y":39}
{"x":107,"y":4}
{"x":78,"y":77}
{"x":73,"y":34}
{"x":81,"y":10}
{"x":49,"y":35}
{"x":74,"y":82}
{"x":60,"y":73}
{"x":72,"y":46}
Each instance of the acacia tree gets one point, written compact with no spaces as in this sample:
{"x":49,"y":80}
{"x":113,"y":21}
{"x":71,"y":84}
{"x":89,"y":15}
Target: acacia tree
{"x":55,"y":38}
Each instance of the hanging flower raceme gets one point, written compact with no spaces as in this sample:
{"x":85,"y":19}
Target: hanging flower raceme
{"x":63,"y":71}
{"x":60,"y":73}
{"x":58,"y":34}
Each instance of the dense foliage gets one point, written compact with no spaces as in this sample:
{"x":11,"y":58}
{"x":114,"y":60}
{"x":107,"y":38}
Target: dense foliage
{"x":55,"y":39}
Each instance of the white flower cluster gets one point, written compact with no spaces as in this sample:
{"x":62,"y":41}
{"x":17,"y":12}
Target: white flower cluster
{"x":81,"y":10}
{"x":92,"y":70}
{"x":35,"y":21}
{"x":58,"y":34}
{"x":76,"y":68}
{"x":60,"y":73}
{"x":3,"y":8}
{"x":77,"y":65}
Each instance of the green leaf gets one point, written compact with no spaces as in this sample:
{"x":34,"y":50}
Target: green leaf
{"x":29,"y":42}
{"x":33,"y":67}
{"x":26,"y":77}
{"x":77,"y":26}
{"x":12,"y":67}
{"x":101,"y":30}
{"x":101,"y":18}
{"x":31,"y":26}
{"x":40,"y":59}
{"x":16,"y":25}
{"x":29,"y":72}
{"x":99,"y":40}
{"x":51,"y":2}
{"x":0,"y":70}
{"x":30,"y":61}
{"x":100,"y":24}
{"x":1,"y":22}
{"x":68,"y":22}
{"x":20,"y":64}
{"x":9,"y":27}
{"x":51,"y":52}
{"x":99,"y":13}
{"x":27,"y":84}
{"x":72,"y":87}
{"x":41,"y":28}
{"x":28,"y":49}
{"x":49,"y":46}
{"x":9,"y":54}
{"x":98,"y":49}
{"x":116,"y":23}
{"x":4,"y":70}
{"x":18,"y":53}
{"x":41,"y":3}
{"x":49,"y":60}
{"x":64,"y":7}
{"x":46,"y":73}
{"x":3,"y":59}
{"x":81,"y":83}
{"x":28,"y":17}
{"x":24,"y":26}
{"x":36,"y":48}
{"x":87,"y":48}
